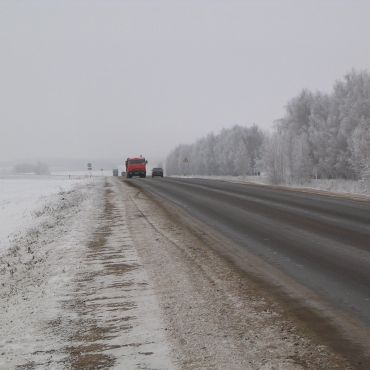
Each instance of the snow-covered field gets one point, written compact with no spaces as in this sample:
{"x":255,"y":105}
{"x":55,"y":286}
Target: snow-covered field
{"x":94,"y":173}
{"x":21,"y":197}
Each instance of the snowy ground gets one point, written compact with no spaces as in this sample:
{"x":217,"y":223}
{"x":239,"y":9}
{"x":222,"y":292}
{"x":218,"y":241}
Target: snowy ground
{"x":74,"y":173}
{"x":73,"y":292}
{"x":350,"y":187}
{"x":105,"y":278}
{"x":22,"y":197}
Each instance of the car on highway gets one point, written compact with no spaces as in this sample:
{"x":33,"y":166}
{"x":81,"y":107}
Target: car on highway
{"x":157,"y":172}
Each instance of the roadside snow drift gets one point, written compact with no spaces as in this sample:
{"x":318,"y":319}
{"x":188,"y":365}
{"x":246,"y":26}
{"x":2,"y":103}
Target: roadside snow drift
{"x":22,"y":198}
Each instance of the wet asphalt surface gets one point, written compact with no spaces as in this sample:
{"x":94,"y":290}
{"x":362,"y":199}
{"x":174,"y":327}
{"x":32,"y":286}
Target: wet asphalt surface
{"x":320,"y":241}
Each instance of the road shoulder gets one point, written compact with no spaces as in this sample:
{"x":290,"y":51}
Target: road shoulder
{"x":216,"y":316}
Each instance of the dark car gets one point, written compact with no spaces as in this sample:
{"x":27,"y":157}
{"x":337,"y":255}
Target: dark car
{"x":157,"y":172}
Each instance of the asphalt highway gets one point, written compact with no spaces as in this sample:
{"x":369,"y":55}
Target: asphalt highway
{"x":320,"y":241}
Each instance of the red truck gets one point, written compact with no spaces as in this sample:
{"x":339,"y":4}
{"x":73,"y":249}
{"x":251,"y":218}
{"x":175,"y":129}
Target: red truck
{"x":136,"y":166}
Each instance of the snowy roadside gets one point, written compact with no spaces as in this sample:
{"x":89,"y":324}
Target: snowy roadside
{"x":22,"y":198}
{"x":34,"y":271}
{"x":73,"y":291}
{"x":347,"y":188}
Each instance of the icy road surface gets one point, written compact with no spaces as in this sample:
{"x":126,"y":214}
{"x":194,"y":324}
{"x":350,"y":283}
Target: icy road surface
{"x":107,"y":278}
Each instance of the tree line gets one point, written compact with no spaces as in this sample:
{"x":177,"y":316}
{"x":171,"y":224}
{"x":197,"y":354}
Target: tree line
{"x":39,"y":168}
{"x":320,"y":136}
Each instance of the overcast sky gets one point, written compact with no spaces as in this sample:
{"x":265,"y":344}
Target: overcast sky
{"x":115,"y":78}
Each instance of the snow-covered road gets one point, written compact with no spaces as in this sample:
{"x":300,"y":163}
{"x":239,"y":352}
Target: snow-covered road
{"x":108,"y":278}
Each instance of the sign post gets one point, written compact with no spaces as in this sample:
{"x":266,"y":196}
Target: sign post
{"x":89,"y":168}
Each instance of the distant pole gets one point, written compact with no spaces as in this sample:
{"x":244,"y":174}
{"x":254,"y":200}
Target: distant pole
{"x":102,"y":170}
{"x":89,"y":168}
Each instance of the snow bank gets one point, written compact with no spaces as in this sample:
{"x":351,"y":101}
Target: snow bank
{"x":37,"y":272}
{"x":21,"y":197}
{"x":236,"y":179}
{"x":339,"y":186}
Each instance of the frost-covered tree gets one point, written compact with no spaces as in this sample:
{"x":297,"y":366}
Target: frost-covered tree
{"x":360,"y":150}
{"x":39,"y":168}
{"x":234,"y":151}
{"x":325,"y":136}
{"x":320,"y":136}
{"x":274,"y":161}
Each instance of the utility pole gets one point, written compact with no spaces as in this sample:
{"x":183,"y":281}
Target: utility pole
{"x":89,"y":168}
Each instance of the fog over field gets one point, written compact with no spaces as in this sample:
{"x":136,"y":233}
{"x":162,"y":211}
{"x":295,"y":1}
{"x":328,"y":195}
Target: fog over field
{"x":108,"y":79}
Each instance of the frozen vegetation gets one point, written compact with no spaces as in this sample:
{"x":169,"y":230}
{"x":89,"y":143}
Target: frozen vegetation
{"x":322,"y":139}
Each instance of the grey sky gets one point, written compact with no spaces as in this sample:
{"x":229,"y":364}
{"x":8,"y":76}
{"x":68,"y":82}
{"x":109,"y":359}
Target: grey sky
{"x":114,"y":78}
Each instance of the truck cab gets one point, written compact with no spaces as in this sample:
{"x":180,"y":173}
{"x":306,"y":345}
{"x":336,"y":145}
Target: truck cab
{"x":136,"y":166}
